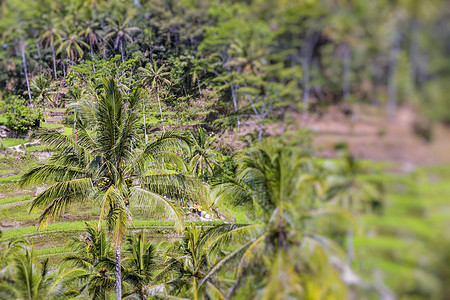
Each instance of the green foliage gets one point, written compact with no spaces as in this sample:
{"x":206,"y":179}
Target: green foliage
{"x":20,"y":118}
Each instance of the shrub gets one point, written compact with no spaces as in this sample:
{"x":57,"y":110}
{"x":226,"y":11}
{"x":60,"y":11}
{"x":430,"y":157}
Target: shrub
{"x":19,"y":117}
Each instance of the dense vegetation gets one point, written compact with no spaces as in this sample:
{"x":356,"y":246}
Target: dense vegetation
{"x":136,"y":108}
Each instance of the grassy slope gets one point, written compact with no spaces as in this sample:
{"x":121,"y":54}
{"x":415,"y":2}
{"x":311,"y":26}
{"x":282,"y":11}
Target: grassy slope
{"x":401,"y":241}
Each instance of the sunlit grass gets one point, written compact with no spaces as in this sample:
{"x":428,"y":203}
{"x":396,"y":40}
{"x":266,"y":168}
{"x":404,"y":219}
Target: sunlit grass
{"x":10,"y":142}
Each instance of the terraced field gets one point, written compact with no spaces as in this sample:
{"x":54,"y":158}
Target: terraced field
{"x":17,"y":222}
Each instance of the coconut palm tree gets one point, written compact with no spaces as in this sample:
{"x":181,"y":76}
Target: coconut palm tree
{"x":75,"y":97}
{"x":284,"y":246}
{"x":139,"y":266}
{"x":89,"y":254}
{"x":120,"y":31}
{"x":43,"y":87}
{"x":29,"y":280}
{"x":153,"y":77}
{"x":70,"y":45}
{"x":185,"y":265}
{"x":91,"y":34}
{"x":203,"y":157}
{"x":109,"y":168}
{"x":49,"y":37}
{"x":351,"y":189}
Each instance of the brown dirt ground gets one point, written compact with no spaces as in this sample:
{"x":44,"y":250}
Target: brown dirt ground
{"x":372,"y":135}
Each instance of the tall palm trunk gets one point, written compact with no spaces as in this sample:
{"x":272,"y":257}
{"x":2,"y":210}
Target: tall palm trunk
{"x":75,"y":126}
{"x":305,"y":66}
{"x":118,"y":273}
{"x":160,"y":110}
{"x":349,"y":246}
{"x":391,"y":105}
{"x":346,"y":73}
{"x":45,"y":113}
{"x":52,"y":46}
{"x":92,"y":56}
{"x":24,"y":63}
{"x":233,"y":95}
{"x":121,"y":49}
{"x":306,"y":58}
{"x":414,"y":50}
{"x":145,"y":126}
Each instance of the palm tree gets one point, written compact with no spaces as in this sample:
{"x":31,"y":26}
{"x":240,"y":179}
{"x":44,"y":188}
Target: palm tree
{"x":50,"y":36}
{"x":42,"y":85}
{"x":120,"y":32}
{"x":29,"y":280}
{"x":185,"y":267}
{"x":284,"y":245}
{"x":76,"y":97}
{"x":91,"y":35}
{"x":139,"y":265}
{"x":152,"y":77}
{"x":90,"y":252}
{"x":203,"y":157}
{"x":70,"y":46}
{"x":351,"y":189}
{"x":109,"y":168}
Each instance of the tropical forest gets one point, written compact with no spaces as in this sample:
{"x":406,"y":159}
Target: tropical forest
{"x":225,"y":149}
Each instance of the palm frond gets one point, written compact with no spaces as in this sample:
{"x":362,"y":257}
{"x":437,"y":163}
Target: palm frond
{"x":178,"y":186}
{"x":157,"y":205}
{"x":50,"y":172}
{"x":60,"y":195}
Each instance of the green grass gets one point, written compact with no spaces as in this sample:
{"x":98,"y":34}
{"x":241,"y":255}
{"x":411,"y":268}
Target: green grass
{"x":51,"y":126}
{"x":46,"y":252}
{"x":9,"y":142}
{"x":14,"y":199}
{"x":9,"y":179}
{"x":38,"y":149}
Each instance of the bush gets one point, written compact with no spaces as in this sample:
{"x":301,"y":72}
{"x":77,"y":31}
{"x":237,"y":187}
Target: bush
{"x":19,"y":117}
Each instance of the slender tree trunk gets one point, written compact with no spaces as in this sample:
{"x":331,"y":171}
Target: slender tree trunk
{"x":413,"y":50}
{"x":233,"y":95}
{"x":391,"y":105}
{"x":24,"y":63}
{"x":52,"y":46}
{"x":260,"y":131}
{"x":64,"y":69}
{"x":45,"y":113}
{"x":145,"y":126}
{"x":305,"y":66}
{"x":121,"y":49}
{"x":92,"y":56}
{"x":349,"y":246}
{"x":160,"y":110}
{"x":118,"y":273}
{"x":306,"y":57}
{"x":346,"y":74}
{"x":39,"y":56}
{"x":199,"y":89}
{"x":75,"y":126}
{"x":38,"y":50}
{"x":374,"y":78}
{"x":1,"y":143}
